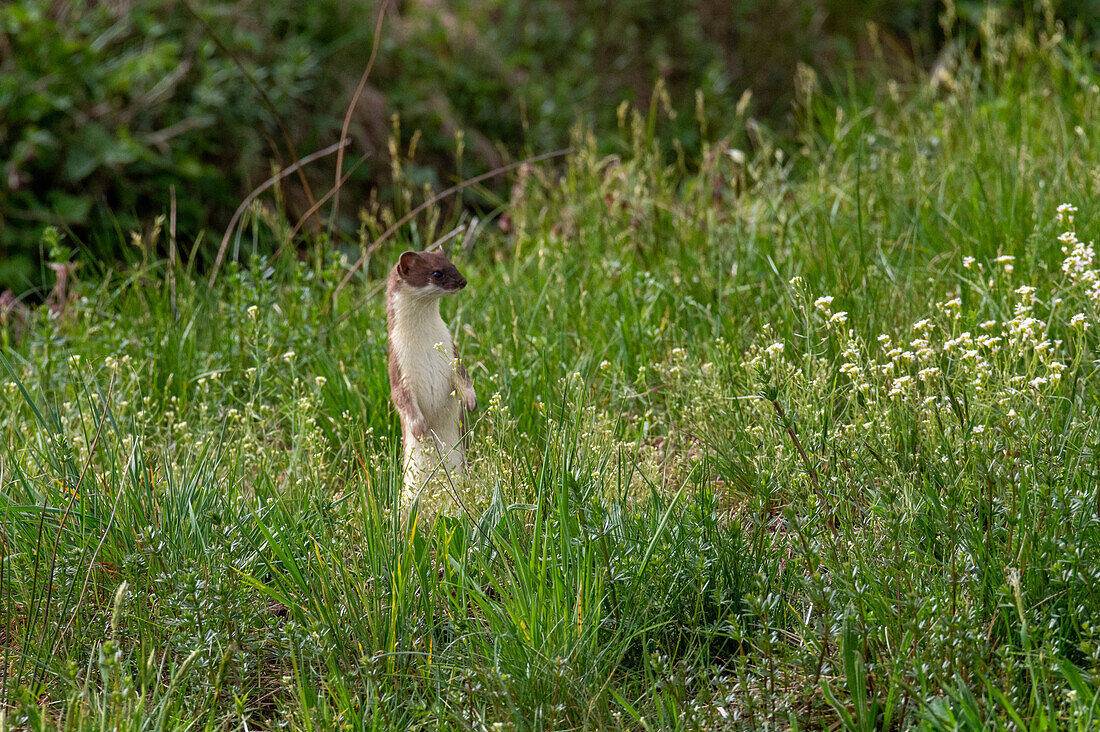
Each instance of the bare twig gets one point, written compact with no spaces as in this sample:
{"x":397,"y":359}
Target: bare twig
{"x":351,"y":109}
{"x":438,"y":243}
{"x":263,"y":187}
{"x":471,"y":229}
{"x":434,"y":200}
{"x":160,"y":138}
{"x":321,"y":201}
{"x":797,"y":443}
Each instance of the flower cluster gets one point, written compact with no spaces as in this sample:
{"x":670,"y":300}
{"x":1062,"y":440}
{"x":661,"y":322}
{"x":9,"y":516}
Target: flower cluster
{"x":958,"y":370}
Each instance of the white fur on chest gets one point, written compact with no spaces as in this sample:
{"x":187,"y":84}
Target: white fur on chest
{"x":422,"y":345}
{"x":425,"y":360}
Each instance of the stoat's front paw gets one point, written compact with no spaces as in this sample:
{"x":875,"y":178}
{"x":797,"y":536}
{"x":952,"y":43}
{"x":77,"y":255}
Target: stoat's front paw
{"x":419,"y":428}
{"x":470,"y":400}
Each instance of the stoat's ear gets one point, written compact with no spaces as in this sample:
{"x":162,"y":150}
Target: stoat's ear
{"x":405,"y":262}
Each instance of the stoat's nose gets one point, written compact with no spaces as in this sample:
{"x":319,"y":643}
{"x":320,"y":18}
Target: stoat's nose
{"x":461,"y":282}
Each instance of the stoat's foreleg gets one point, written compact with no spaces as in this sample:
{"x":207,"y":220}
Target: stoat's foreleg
{"x":463,"y":384}
{"x":412,"y":419}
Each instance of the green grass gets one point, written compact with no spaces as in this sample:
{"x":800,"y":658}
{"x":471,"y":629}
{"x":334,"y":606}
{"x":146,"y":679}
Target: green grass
{"x":703,"y":494}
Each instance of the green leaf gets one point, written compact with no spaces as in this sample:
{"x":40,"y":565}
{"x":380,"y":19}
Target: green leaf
{"x":72,"y":209}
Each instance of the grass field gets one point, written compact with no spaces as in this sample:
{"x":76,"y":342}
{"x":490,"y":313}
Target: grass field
{"x":804,"y":436}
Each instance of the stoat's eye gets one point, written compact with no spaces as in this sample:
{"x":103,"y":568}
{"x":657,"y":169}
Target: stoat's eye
{"x":438,"y":274}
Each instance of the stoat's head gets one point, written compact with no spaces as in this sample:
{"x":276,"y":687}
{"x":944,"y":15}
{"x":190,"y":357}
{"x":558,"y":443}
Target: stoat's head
{"x":429,"y":274}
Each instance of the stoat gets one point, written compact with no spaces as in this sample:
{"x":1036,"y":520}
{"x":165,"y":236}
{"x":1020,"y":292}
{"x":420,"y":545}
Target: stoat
{"x":428,"y":383}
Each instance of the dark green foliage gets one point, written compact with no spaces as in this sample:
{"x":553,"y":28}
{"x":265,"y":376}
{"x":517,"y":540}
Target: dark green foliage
{"x":104,"y":107}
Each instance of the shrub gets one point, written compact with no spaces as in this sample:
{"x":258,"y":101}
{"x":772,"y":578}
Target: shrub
{"x":106,"y":105}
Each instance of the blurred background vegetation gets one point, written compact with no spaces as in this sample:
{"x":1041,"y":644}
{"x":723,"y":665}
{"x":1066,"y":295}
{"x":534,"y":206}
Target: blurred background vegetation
{"x":107,"y":105}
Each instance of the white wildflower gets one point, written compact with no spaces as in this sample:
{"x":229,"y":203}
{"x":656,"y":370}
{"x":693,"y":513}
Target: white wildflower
{"x":899,"y":385}
{"x":1079,"y":259}
{"x":952,"y":307}
{"x":989,"y":341}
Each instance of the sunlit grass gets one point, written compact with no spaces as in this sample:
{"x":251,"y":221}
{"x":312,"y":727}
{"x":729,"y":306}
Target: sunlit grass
{"x":805,"y":435}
